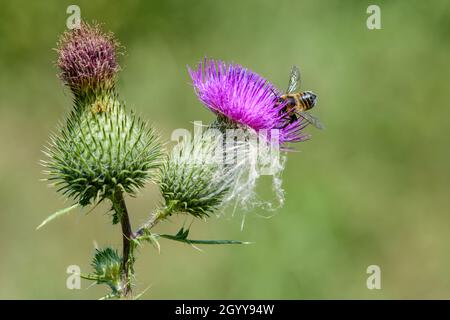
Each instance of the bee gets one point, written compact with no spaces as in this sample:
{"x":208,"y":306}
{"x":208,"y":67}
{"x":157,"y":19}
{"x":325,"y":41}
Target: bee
{"x":297,"y":102}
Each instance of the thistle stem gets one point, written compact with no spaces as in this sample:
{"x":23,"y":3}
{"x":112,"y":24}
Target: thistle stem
{"x":127,"y":237}
{"x":149,"y":224}
{"x":159,"y":215}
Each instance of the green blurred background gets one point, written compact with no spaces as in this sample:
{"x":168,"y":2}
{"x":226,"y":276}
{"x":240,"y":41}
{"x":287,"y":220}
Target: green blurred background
{"x":372,"y":189}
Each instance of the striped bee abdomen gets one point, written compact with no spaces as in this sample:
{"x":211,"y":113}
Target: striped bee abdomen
{"x":308,"y":99}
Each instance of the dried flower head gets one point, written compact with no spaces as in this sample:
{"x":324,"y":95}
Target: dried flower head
{"x":87,"y":58}
{"x":244,"y":97}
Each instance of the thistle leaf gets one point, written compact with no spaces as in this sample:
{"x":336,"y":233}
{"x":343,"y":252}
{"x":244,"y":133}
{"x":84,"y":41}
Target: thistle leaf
{"x":57,"y":214}
{"x":90,"y":276}
{"x":152,"y":238}
{"x":182,"y":235}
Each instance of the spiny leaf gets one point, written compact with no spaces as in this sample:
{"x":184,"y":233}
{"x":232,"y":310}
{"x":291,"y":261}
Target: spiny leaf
{"x":57,"y":214}
{"x":152,"y":238}
{"x":182,"y":235}
{"x":90,"y":276}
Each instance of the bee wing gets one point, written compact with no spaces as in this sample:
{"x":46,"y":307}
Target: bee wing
{"x":312,"y":119}
{"x":294,"y":80}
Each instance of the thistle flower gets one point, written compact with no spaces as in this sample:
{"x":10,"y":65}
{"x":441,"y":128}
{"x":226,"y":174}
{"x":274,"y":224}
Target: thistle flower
{"x":239,"y":95}
{"x":88,"y":59}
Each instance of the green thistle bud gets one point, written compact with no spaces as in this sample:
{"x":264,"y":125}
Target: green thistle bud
{"x":194,"y":179}
{"x":107,"y":264}
{"x":100,"y":151}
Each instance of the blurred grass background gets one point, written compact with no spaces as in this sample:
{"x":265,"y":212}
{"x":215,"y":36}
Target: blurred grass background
{"x":373,"y":188}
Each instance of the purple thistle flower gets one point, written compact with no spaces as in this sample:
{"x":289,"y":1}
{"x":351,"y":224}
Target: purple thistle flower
{"x":87,"y":58}
{"x":244,"y":97}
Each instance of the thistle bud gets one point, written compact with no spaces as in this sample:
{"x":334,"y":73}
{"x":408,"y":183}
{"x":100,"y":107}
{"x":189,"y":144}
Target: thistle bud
{"x":98,"y":153}
{"x":194,"y":179}
{"x":107,"y":268}
{"x":102,"y":149}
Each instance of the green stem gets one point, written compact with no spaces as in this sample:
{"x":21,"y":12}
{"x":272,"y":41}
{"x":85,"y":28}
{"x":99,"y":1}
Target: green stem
{"x":159,"y":215}
{"x":127,"y":237}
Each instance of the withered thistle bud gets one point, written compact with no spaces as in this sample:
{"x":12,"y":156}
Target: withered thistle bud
{"x":88,"y":59}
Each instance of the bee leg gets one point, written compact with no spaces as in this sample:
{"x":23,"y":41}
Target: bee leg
{"x":292,"y":118}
